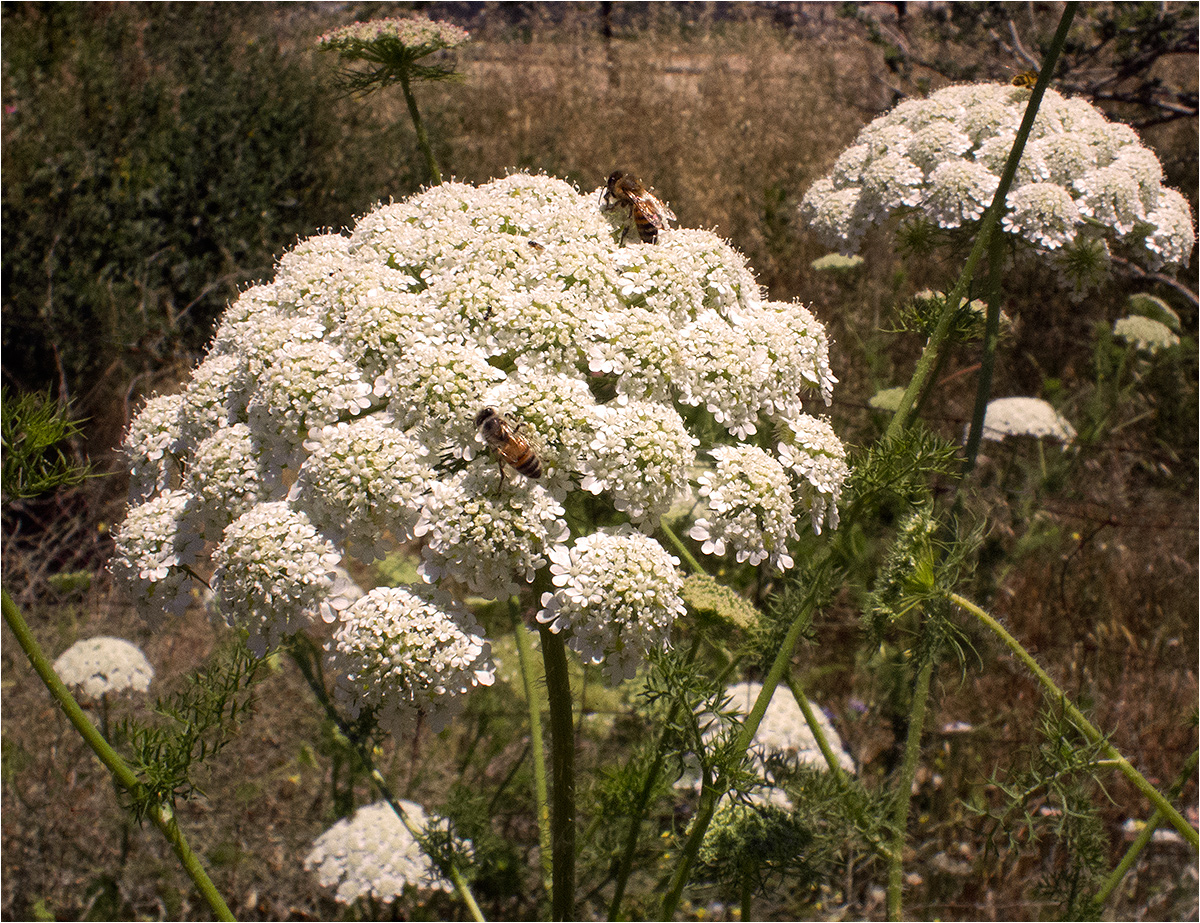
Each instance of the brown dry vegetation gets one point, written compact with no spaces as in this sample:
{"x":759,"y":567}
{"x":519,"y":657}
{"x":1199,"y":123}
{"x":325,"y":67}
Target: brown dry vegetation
{"x":730,"y":117}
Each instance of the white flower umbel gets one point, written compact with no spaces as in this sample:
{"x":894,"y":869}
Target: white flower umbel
{"x":809,"y":447}
{"x":491,"y":538}
{"x":940,"y":159}
{"x":363,"y":483}
{"x":99,"y":666}
{"x":1025,"y":416}
{"x":152,"y":444}
{"x":639,"y":457}
{"x":355,"y":378}
{"x":273,"y":572}
{"x":408,"y":653}
{"x":1145,"y":333}
{"x":750,"y":507}
{"x":153,"y":547}
{"x":373,"y":854}
{"x":617,"y":596}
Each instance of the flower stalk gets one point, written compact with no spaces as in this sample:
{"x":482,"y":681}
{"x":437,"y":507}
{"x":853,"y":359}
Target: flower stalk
{"x":562,"y":761}
{"x":541,"y":796}
{"x":161,"y":815}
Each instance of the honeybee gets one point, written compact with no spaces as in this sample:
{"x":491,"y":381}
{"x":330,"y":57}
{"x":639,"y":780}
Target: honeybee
{"x":501,"y":435}
{"x":648,"y":211}
{"x":1025,"y":79}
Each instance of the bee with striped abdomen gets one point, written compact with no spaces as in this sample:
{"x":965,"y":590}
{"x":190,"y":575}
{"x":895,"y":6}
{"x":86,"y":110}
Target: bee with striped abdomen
{"x":500,"y":434}
{"x":1025,"y":79}
{"x":647,"y":210}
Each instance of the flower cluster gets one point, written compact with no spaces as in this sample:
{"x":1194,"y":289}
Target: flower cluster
{"x":373,"y":854}
{"x":618,"y":595}
{"x":1083,"y":182}
{"x":1145,"y":333}
{"x":102,"y":665}
{"x":334,"y":417}
{"x":1025,"y":416}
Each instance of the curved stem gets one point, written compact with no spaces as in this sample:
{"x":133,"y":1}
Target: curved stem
{"x":1186,"y":830}
{"x":908,"y":771}
{"x":163,"y":816}
{"x":562,"y":747}
{"x":679,"y":546}
{"x":422,"y":138}
{"x":525,"y":657}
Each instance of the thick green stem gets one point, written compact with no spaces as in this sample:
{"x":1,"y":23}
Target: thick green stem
{"x":987,"y":363}
{"x":908,"y":771}
{"x":1143,"y":839}
{"x":987,"y":227}
{"x":422,"y":138}
{"x":161,"y":815}
{"x":525,"y":657}
{"x":562,"y":761}
{"x":708,"y":794}
{"x":306,"y":657}
{"x":1186,"y":830}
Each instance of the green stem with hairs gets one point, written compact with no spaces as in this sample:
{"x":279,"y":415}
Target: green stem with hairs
{"x":1186,"y":830}
{"x":562,"y":761}
{"x":987,"y":228}
{"x":525,"y":657}
{"x":908,"y":771}
{"x":162,"y":815}
{"x":422,"y":138}
{"x":1143,"y":839}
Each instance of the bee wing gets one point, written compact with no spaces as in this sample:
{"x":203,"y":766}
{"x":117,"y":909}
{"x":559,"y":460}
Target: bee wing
{"x":652,"y":207}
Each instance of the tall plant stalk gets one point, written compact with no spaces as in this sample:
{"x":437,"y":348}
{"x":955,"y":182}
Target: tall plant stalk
{"x":162,"y":815}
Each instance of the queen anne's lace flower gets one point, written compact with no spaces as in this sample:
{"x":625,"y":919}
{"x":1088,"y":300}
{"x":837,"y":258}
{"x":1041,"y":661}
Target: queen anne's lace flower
{"x":750,"y":507}
{"x":618,"y":594}
{"x":784,"y":731}
{"x":408,"y":654}
{"x":1025,"y":416}
{"x":102,"y":665}
{"x":941,"y":158}
{"x":273,"y":572}
{"x":373,"y":854}
{"x":356,"y":375}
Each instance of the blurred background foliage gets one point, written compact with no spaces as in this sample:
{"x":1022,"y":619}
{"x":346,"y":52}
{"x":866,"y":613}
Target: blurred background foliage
{"x":158,"y":158}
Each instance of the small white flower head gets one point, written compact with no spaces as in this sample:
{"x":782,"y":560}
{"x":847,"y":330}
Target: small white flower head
{"x":1043,"y":213}
{"x":408,"y":652}
{"x":617,"y":594}
{"x":273,"y":573}
{"x":1145,"y":334}
{"x":750,"y":507}
{"x":435,"y":389}
{"x":99,"y":666}
{"x":640,"y":458}
{"x":784,"y":732}
{"x":152,"y":446}
{"x":227,"y":477}
{"x":153,"y":546}
{"x":809,"y":448}
{"x":836,"y":263}
{"x":491,"y":538}
{"x":214,"y":398}
{"x":1025,"y":416}
{"x":959,"y":192}
{"x":941,"y":158}
{"x":363,"y":481}
{"x":373,"y":854}
{"x":419,"y":35}
{"x":305,"y":385}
